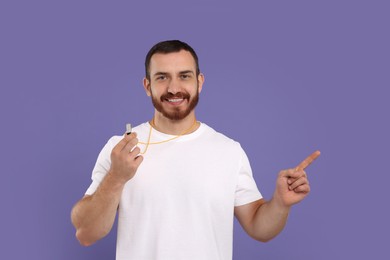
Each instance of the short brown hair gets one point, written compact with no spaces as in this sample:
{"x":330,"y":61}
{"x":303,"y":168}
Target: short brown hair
{"x":169,"y":47}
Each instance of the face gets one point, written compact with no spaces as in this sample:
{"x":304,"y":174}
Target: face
{"x":173,"y":85}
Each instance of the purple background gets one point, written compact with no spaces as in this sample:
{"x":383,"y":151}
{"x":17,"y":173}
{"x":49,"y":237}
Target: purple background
{"x":282,"y":77}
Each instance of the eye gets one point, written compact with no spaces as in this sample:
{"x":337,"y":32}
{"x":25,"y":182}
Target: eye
{"x":185,"y":76}
{"x":161,"y":77}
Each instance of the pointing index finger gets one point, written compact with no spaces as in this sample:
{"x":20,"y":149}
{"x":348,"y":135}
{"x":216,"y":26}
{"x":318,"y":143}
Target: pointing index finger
{"x":308,"y":161}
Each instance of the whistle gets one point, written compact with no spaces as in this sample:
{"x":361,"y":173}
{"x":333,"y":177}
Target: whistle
{"x":128,"y":129}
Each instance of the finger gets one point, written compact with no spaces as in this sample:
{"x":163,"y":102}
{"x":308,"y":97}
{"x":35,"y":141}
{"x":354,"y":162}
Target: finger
{"x":298,"y":182}
{"x":135,"y":152}
{"x":295,"y":176}
{"x":138,"y":160}
{"x":128,"y":139}
{"x":122,"y":143}
{"x":292,"y":174}
{"x":128,"y":148}
{"x":308,"y":161}
{"x":130,"y":136}
{"x":302,"y":189}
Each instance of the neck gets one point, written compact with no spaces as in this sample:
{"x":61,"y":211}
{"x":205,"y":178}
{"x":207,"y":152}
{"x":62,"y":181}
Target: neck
{"x":174,"y":127}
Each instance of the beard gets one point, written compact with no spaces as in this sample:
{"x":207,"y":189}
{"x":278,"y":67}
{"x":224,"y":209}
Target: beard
{"x":176,"y":113}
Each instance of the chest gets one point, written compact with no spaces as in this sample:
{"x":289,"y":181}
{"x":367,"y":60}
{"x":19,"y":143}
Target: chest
{"x":184,"y":176}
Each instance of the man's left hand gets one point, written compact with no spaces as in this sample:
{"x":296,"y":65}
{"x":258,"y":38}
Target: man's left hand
{"x":292,"y":185}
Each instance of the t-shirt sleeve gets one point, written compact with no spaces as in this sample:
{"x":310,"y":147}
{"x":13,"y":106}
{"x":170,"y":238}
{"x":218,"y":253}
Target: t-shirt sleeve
{"x":246,"y":190}
{"x":102,"y":166}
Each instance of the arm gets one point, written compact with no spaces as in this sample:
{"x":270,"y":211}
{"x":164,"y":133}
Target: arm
{"x":94,"y":215}
{"x":264,"y":220}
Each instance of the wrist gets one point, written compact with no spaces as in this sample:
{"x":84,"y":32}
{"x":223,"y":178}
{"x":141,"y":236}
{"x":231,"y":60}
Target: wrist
{"x":279,"y":204}
{"x":114,"y":181}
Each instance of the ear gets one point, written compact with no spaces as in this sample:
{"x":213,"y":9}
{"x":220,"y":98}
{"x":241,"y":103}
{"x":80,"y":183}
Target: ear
{"x":200,"y":82}
{"x":146,"y":83}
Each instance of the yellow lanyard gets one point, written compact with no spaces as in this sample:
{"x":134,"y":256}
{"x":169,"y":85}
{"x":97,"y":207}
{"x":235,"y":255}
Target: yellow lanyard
{"x":165,"y":141}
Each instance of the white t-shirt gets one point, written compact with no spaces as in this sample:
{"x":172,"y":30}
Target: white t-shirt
{"x":180,"y":204}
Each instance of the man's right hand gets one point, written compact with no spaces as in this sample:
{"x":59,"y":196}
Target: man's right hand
{"x":94,"y":215}
{"x":125,"y":158}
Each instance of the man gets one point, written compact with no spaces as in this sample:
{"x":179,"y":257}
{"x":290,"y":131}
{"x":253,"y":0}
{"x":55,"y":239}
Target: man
{"x":176,"y":182}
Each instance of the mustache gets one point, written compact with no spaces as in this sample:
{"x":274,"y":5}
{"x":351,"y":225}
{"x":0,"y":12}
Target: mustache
{"x":177,"y":95}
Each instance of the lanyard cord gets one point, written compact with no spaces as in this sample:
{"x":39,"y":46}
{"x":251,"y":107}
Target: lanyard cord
{"x":165,"y":141}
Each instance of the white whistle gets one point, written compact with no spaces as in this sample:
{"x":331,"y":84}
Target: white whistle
{"x":128,"y":129}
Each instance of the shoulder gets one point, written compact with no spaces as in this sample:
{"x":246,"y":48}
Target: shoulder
{"x":211,"y":132}
{"x":216,"y":137}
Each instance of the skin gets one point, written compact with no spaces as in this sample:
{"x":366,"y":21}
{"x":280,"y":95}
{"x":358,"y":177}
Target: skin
{"x":264,"y":220}
{"x":93,"y":216}
{"x":173,"y":75}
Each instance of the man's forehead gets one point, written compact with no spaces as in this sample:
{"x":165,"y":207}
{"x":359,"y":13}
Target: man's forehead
{"x":181,"y":60}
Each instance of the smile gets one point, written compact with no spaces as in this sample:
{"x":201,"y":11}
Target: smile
{"x":175,"y":100}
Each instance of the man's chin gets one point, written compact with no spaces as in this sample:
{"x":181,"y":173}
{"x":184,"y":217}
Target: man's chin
{"x":176,"y":113}
{"x":175,"y":116}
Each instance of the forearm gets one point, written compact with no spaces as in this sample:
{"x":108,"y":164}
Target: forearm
{"x":265,"y":220}
{"x":269,"y":220}
{"x":94,"y":215}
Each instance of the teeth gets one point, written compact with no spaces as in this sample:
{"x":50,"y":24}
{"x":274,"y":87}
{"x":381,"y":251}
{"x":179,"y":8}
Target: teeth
{"x":175,"y":100}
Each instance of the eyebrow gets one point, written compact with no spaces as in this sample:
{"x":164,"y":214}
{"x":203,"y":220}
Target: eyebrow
{"x":186,"y":72}
{"x":160,"y":73}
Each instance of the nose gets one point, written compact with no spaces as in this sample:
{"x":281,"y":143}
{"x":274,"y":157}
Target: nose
{"x":173,"y":86}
